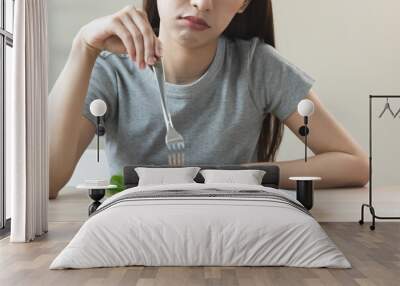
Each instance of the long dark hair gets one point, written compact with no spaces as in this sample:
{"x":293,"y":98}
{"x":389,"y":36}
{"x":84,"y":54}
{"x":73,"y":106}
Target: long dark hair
{"x":255,"y":21}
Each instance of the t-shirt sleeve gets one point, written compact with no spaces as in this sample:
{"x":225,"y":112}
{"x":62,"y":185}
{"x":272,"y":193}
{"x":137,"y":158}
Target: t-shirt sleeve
{"x":101,"y":86}
{"x":278,"y":85}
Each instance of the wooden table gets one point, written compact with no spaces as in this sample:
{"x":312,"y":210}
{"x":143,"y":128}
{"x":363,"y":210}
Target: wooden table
{"x":330,"y":205}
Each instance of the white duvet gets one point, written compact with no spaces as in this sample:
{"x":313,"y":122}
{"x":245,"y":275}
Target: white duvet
{"x":200,"y":231}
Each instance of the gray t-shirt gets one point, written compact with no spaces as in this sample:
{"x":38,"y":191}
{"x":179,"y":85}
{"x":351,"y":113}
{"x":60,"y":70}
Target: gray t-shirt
{"x":220,"y":115}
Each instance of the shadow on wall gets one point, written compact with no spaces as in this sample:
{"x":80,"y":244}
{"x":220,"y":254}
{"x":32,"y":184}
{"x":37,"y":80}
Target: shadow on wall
{"x":89,"y":168}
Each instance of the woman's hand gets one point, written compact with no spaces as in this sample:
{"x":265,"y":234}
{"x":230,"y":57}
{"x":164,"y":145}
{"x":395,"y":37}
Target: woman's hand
{"x":126,"y":31}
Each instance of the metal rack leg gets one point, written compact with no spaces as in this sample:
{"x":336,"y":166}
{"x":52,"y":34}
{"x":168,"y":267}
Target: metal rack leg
{"x":374,"y":216}
{"x":372,"y":211}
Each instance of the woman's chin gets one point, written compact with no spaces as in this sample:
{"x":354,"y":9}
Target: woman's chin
{"x":191,"y":39}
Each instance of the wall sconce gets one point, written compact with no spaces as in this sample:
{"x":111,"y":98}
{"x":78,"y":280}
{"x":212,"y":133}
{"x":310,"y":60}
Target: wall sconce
{"x":305,"y":108}
{"x":98,"y":108}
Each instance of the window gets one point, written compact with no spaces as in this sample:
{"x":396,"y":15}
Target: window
{"x":6,"y":44}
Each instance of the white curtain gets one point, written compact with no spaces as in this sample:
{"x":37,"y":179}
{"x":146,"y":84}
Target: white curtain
{"x":26,"y":119}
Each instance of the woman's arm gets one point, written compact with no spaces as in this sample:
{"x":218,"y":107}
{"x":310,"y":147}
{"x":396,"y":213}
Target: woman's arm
{"x":67,"y":128}
{"x":338,"y":160}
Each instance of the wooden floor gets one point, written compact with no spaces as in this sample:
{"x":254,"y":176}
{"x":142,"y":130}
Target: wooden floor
{"x":374,"y":255}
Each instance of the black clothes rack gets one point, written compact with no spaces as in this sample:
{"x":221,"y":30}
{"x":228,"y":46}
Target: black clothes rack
{"x":369,"y":205}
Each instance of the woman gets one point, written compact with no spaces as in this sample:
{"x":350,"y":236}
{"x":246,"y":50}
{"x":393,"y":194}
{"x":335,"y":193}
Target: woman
{"x":229,"y":91}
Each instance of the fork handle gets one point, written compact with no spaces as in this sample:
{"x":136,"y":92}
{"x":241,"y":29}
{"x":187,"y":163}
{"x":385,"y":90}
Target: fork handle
{"x":159,"y":74}
{"x":168,"y":121}
{"x":166,"y":115}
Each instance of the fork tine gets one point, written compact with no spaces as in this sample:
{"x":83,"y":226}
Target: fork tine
{"x":175,"y":158}
{"x":178,"y":155}
{"x":172,"y":159}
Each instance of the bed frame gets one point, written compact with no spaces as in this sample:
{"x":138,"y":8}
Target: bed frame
{"x":270,"y":179}
{"x":304,"y":189}
{"x":131,"y":178}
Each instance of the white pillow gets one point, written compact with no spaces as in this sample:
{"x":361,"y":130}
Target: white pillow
{"x":161,"y":176}
{"x":248,"y":177}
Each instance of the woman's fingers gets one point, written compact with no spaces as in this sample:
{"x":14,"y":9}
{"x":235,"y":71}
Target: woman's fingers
{"x":136,"y":36}
{"x":127,"y":30}
{"x":126,"y":37}
{"x":157,"y":47}
{"x":141,"y":21}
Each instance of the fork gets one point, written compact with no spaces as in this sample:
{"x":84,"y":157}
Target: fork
{"x":173,"y":140}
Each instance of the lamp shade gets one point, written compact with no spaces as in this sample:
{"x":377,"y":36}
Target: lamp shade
{"x":98,"y":107}
{"x":305,"y":107}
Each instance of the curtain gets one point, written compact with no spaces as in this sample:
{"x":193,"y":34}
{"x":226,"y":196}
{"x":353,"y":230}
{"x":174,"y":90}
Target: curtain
{"x":26,"y":120}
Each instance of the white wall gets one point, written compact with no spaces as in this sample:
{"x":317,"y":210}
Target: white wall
{"x":88,"y":168}
{"x":350,"y":47}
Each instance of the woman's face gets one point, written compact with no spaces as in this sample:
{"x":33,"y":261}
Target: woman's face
{"x":193,"y":23}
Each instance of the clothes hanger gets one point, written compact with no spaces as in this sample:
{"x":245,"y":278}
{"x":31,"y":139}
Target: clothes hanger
{"x":397,"y":113}
{"x":387,"y":107}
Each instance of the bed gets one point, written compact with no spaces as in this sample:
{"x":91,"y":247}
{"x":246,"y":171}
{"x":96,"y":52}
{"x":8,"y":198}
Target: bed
{"x":201,"y":224}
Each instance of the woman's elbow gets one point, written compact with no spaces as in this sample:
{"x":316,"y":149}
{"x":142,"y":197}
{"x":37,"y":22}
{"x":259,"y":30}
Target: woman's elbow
{"x":361,"y":174}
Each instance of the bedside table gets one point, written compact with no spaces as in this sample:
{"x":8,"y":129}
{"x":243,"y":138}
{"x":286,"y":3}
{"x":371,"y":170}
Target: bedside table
{"x":96,"y":193}
{"x":305,"y":190}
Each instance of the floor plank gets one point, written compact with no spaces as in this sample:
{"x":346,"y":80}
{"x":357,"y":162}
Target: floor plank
{"x":375,"y":256}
